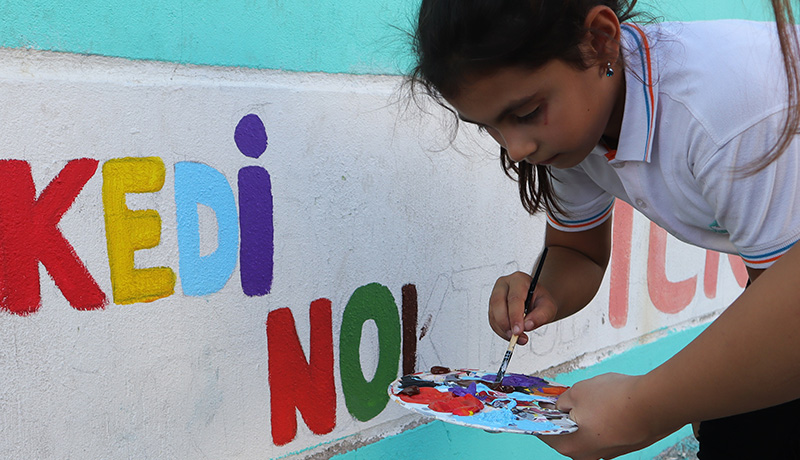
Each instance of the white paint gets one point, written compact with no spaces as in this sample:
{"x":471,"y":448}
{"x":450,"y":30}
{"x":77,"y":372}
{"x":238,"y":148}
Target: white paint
{"x":366,"y":190}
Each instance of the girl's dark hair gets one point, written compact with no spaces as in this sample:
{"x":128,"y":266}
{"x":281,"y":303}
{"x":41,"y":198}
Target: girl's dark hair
{"x":787,"y":35}
{"x":459,"y":39}
{"x":455,"y":40}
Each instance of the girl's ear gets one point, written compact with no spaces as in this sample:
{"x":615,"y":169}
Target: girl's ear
{"x":601,"y":43}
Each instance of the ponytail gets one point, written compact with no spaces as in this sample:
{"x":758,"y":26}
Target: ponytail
{"x":790,"y":49}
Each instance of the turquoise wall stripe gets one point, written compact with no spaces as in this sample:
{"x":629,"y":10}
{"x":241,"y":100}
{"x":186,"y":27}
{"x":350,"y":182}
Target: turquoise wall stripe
{"x":451,"y":442}
{"x":341,"y":36}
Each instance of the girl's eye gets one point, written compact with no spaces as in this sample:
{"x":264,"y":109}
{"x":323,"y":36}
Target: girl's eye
{"x":530,"y":116}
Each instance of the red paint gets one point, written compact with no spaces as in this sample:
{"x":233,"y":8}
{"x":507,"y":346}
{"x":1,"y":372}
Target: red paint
{"x":297,"y":384}
{"x":427,"y":395}
{"x":620,"y":264}
{"x":710,"y":274}
{"x":712,"y":267}
{"x":444,"y":401}
{"x":739,"y":270}
{"x":29,"y":234}
{"x":667,"y":296}
{"x":554,"y":390}
{"x":461,"y":405}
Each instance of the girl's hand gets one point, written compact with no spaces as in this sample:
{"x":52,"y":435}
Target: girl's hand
{"x":507,"y":307}
{"x":612,"y":419}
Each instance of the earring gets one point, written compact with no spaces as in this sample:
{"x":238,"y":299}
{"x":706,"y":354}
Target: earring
{"x":609,"y":70}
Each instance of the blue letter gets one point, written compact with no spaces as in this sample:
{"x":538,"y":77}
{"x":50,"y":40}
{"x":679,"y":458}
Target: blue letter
{"x":196,"y":183}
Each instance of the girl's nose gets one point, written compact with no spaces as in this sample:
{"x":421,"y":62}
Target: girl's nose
{"x":519,"y":147}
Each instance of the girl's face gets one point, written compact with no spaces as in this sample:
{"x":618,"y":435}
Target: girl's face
{"x":554,"y":115}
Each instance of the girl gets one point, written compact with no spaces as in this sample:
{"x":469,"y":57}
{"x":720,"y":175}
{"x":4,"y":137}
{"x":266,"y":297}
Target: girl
{"x":692,"y":124}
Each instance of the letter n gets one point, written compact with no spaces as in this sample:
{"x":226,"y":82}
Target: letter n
{"x":294,"y":382}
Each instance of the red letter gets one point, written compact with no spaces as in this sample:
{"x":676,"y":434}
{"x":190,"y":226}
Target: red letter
{"x":667,"y":296}
{"x":710,"y":274}
{"x":297,"y":383}
{"x":29,"y":234}
{"x":739,"y":270}
{"x":620,"y":264}
{"x":712,"y":267}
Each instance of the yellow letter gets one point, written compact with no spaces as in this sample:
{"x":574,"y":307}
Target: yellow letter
{"x":128,"y":231}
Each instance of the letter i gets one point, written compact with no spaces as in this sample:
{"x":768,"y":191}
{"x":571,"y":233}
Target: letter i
{"x":255,"y":210}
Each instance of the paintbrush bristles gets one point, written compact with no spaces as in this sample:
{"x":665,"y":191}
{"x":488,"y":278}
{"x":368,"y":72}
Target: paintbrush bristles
{"x":502,"y":372}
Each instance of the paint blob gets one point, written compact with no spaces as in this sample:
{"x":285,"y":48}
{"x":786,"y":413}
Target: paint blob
{"x":250,"y":136}
{"x":519,"y":404}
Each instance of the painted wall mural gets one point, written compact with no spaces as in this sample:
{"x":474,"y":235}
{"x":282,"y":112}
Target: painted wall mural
{"x":191,"y":243}
{"x":667,"y":296}
{"x":365,"y":399}
{"x":30,"y":234}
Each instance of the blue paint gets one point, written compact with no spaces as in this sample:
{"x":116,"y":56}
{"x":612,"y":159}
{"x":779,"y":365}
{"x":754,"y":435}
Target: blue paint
{"x":504,"y":418}
{"x":455,"y":442}
{"x":196,"y":183}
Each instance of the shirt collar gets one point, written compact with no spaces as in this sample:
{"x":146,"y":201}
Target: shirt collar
{"x":641,"y":99}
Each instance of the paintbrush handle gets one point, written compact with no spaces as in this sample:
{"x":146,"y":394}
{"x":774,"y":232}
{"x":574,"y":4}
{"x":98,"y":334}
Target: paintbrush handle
{"x":513,"y":342}
{"x":534,"y":281}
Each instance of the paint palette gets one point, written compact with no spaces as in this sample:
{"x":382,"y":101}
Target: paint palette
{"x":520,"y":404}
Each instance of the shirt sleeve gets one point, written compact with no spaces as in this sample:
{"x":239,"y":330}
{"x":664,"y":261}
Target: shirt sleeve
{"x":585,"y":204}
{"x":760,"y":211}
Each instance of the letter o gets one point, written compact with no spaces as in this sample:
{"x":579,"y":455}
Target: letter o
{"x":364,"y":399}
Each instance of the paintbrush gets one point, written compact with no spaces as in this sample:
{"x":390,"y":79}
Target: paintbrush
{"x":513,"y":342}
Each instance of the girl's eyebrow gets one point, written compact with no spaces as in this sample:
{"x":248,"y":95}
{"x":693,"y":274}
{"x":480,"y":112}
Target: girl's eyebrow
{"x":511,"y":107}
{"x":515,"y":105}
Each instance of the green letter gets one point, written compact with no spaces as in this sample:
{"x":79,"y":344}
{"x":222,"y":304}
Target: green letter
{"x":365,"y":399}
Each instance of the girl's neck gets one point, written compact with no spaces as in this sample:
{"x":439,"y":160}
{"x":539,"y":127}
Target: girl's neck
{"x":614,"y":125}
{"x":608,"y":142}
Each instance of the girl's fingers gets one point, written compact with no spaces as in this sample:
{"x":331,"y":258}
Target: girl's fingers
{"x":507,"y":304}
{"x":518,"y":285}
{"x":498,"y":310}
{"x":564,"y":402}
{"x":499,"y":317}
{"x":507,"y":307}
{"x":542,"y":311}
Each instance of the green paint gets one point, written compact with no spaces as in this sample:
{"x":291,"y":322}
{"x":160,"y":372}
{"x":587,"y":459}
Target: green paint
{"x":345,"y":36}
{"x":374,"y":302}
{"x":457,"y":443}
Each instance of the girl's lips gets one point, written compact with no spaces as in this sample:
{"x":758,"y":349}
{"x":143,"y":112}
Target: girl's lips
{"x":547,"y":161}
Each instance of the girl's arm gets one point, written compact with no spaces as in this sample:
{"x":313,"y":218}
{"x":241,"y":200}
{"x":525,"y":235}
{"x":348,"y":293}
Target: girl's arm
{"x":569,"y":280}
{"x":747,"y":359}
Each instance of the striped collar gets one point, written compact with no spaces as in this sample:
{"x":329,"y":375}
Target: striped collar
{"x":641,"y":99}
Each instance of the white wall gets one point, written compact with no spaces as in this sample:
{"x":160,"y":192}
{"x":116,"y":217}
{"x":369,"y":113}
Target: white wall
{"x":365,"y":190}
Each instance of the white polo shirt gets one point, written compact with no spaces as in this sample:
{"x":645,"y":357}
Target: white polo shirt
{"x":703,"y":99}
